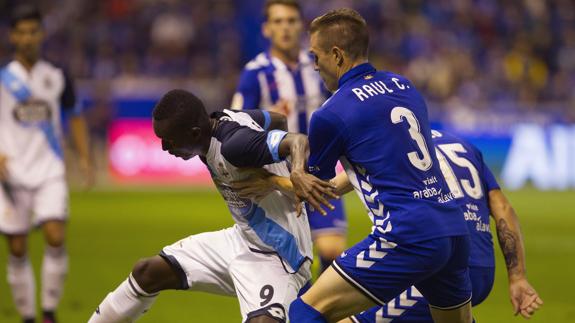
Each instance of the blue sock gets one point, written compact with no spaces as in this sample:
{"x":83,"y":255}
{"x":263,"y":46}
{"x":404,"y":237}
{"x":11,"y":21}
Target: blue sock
{"x":300,"y":312}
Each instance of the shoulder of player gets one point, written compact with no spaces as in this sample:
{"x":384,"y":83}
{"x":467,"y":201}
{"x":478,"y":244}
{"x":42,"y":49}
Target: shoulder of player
{"x":445,"y":137}
{"x":237,"y":141}
{"x":258,"y":63}
{"x":332,"y":114}
{"x":229,"y":124}
{"x":51,"y":67}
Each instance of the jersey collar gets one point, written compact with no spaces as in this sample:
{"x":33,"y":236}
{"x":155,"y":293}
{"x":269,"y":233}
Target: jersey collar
{"x":359,"y":70}
{"x":303,"y":60}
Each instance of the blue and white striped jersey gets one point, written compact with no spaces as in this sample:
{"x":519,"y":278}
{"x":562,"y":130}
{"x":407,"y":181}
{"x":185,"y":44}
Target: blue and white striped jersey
{"x":266,"y":79}
{"x":271,"y":224}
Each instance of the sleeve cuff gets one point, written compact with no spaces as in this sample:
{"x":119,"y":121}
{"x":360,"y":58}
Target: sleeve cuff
{"x":274,"y":140}
{"x":267,"y":119}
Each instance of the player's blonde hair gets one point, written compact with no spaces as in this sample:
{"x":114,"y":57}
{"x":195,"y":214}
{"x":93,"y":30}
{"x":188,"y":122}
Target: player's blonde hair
{"x":344,"y":28}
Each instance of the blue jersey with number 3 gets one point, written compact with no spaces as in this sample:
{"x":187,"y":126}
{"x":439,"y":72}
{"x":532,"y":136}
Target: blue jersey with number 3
{"x":377,"y":125}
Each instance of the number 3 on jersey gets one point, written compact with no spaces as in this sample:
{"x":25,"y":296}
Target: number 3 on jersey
{"x":400,"y":114}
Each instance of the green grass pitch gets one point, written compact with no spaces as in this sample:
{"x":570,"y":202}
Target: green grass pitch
{"x":109,"y":231}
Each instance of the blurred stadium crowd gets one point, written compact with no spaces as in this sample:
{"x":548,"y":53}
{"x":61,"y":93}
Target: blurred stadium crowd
{"x":490,"y":55}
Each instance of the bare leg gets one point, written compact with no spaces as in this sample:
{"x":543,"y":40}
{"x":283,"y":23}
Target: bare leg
{"x":458,"y":315}
{"x":335,"y":298}
{"x":137,"y":293}
{"x":329,"y":246}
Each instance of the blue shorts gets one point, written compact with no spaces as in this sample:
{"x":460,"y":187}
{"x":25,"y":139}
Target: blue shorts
{"x":411,"y":307}
{"x":333,"y":222}
{"x":438,"y":268}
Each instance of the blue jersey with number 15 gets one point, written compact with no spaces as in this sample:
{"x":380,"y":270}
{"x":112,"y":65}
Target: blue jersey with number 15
{"x":377,"y":125}
{"x":470,"y":181}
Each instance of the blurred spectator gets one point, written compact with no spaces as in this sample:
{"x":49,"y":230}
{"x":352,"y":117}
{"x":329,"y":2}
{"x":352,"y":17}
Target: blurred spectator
{"x":485,"y":53}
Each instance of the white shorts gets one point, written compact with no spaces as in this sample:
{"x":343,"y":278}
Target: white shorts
{"x":222,"y":263}
{"x":24,"y":208}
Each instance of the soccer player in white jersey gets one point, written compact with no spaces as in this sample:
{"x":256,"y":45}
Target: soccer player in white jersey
{"x":32,"y":94}
{"x":282,"y":79}
{"x":264,"y":259}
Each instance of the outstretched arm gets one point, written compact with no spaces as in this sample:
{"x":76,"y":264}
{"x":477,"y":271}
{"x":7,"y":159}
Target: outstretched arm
{"x":524,"y":298}
{"x":260,"y":182}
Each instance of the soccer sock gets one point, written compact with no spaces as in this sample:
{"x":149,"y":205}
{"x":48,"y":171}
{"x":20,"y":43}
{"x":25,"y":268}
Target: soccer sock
{"x":22,"y":283}
{"x":128,"y":302}
{"x":54,"y":270}
{"x":300,"y":312}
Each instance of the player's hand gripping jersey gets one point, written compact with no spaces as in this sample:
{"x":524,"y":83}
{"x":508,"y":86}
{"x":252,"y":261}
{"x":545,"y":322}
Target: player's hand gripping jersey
{"x":377,"y":125}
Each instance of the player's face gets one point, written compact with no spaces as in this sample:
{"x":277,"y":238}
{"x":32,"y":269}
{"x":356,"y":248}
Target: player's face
{"x":185,"y":144}
{"x":26,"y":37}
{"x":283,"y":27}
{"x":325,"y":63}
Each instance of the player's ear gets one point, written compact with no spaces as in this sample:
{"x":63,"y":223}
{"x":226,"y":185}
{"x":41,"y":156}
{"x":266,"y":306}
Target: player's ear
{"x":266,"y":30}
{"x":337,"y":54}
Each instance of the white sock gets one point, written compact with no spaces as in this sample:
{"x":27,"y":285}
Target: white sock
{"x":126,"y":304}
{"x":54,"y":270}
{"x":23,"y":285}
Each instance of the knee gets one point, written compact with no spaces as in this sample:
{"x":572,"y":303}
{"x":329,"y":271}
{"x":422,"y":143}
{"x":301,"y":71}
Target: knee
{"x":54,"y":234}
{"x":154,"y":274}
{"x":329,"y":254}
{"x":18,"y":246}
{"x":330,"y":247}
{"x":143,"y":274}
{"x":55,"y":242}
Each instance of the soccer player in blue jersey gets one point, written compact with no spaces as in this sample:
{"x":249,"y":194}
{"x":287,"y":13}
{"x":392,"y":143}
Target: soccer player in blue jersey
{"x":282,"y":79}
{"x":477,"y":191}
{"x":264,"y":258}
{"x":376,"y":124}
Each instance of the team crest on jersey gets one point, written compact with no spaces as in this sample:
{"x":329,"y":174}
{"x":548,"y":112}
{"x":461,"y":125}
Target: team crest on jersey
{"x":238,"y":206}
{"x":223,"y":171}
{"x":32,"y":112}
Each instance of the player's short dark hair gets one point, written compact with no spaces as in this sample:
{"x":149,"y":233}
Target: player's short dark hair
{"x":290,"y":3}
{"x":344,"y":28}
{"x":25,"y":12}
{"x":180,"y":109}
